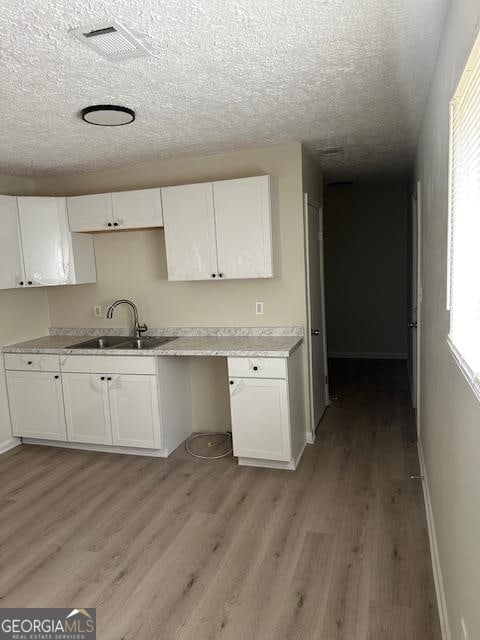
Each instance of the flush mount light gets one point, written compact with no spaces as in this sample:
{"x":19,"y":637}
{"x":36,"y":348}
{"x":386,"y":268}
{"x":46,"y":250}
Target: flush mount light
{"x":107,"y":115}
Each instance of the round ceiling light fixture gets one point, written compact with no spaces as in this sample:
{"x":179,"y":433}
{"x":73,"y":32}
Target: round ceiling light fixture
{"x":107,"y":115}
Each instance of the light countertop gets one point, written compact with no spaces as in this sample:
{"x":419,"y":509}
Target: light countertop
{"x":227,"y":346}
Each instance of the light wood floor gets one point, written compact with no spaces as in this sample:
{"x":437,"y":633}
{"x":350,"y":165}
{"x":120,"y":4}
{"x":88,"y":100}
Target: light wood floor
{"x":191,"y":550}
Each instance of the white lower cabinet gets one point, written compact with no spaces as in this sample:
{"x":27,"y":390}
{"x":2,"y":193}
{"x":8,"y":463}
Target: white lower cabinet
{"x":36,"y":404}
{"x":260,"y":421}
{"x":87,"y":408}
{"x":134,"y":411}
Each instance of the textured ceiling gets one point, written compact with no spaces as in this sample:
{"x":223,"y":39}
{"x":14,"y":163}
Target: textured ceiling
{"x":225,"y":75}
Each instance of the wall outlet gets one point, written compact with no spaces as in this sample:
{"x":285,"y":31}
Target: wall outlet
{"x":259,"y":308}
{"x":97,"y":311}
{"x":464,"y":630}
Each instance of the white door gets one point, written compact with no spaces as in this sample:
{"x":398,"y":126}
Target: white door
{"x":46,"y":241}
{"x":316,"y":334}
{"x":416,"y":301}
{"x":36,"y":404}
{"x":90,"y":213}
{"x":260,"y":418}
{"x":137,"y":209}
{"x":87,"y":410}
{"x":243,"y":227}
{"x":11,"y":259}
{"x":190,"y":232}
{"x":135,"y":411}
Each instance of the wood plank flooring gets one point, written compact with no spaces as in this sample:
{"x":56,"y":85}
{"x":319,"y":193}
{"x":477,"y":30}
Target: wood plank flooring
{"x":193,"y":550}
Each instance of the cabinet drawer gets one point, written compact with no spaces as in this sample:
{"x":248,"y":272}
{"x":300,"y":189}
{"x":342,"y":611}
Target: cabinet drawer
{"x":257,"y":367}
{"x":108,"y":364}
{"x":32,"y":362}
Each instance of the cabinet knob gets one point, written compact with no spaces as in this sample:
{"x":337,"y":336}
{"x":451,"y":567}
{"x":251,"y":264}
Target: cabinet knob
{"x":231,"y":381}
{"x":109,"y":224}
{"x":21,"y":283}
{"x":255,"y":368}
{"x":109,"y":378}
{"x":30,"y":282}
{"x":220,"y":275}
{"x":115,"y":224}
{"x":57,"y":377}
{"x":214,"y":275}
{"x":30,"y":362}
{"x":102,"y":377}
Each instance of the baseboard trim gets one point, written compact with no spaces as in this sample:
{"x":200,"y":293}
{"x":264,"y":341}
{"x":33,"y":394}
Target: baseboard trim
{"x":309,"y":439}
{"x":437,"y":570}
{"x":367,"y":355}
{"x":11,"y":443}
{"x":103,"y":448}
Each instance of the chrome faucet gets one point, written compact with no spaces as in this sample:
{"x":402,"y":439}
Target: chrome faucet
{"x":138,"y":328}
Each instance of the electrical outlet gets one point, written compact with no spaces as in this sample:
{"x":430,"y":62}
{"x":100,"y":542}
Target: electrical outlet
{"x":464,"y":630}
{"x":97,"y":311}
{"x":259,"y":308}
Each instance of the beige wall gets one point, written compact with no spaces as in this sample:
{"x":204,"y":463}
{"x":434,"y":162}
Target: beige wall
{"x":133,"y":265}
{"x":450,"y":413}
{"x":366,"y":269}
{"x":23,"y":313}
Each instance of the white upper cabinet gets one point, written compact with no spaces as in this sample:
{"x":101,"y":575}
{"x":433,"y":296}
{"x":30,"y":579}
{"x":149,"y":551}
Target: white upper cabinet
{"x":90,"y":213}
{"x":190,"y":232}
{"x":137,"y":209}
{"x":51,"y":254}
{"x":11,"y":259}
{"x":243,"y":227}
{"x":219,"y":230}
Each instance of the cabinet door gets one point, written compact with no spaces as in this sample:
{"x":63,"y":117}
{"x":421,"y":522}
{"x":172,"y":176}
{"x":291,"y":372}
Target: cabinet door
{"x":36,"y":404}
{"x":11,"y":259}
{"x":137,"y":209}
{"x":135,"y":411}
{"x":260,"y":418}
{"x":190,"y":232}
{"x":46,"y":241}
{"x":86,"y":408}
{"x":90,"y":213}
{"x":243,"y":227}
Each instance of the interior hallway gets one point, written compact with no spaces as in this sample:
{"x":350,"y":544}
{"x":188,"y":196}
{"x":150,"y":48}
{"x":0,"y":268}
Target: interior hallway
{"x":187,"y":549}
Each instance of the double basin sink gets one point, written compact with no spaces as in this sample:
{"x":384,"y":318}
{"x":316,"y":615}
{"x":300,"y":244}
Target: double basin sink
{"x":121,"y":342}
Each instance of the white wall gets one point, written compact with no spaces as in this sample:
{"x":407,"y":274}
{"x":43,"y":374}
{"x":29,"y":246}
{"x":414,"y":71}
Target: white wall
{"x":450,"y":414}
{"x":133,"y":264}
{"x":23,"y":312}
{"x":365,"y":230}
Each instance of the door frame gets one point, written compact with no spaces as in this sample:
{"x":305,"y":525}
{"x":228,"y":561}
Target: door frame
{"x":417,"y":260}
{"x":306,"y":202}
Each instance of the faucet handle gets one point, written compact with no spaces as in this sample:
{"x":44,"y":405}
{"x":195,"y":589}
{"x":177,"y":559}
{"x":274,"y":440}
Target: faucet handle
{"x":141,"y":328}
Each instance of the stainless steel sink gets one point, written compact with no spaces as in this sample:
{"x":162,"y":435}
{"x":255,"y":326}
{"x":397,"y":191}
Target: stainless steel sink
{"x":143,"y":343}
{"x":105,"y":342}
{"x":121,"y":342}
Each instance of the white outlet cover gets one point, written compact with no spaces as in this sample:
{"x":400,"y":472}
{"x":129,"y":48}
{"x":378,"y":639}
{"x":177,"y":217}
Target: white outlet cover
{"x":259,"y":308}
{"x":97,"y":311}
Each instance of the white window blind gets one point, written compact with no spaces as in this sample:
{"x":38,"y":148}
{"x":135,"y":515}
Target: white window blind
{"x":464,"y":246}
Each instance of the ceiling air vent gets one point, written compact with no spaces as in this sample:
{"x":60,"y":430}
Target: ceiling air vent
{"x":111,"y":40}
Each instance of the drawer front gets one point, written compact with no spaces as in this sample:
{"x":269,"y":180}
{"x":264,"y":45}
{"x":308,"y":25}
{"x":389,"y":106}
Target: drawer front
{"x":32,"y":362}
{"x":257,"y":368}
{"x":108,"y":364}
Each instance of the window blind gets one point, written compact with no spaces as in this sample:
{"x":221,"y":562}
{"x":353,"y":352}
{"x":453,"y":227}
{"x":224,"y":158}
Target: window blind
{"x":464,"y":249}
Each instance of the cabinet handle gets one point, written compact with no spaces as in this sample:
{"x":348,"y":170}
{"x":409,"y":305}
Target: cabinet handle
{"x":30,"y":362}
{"x":109,"y":224}
{"x":102,"y":378}
{"x":214,"y":275}
{"x":30,"y":282}
{"x":109,"y":378}
{"x":57,"y":377}
{"x":21,"y":283}
{"x":255,"y":368}
{"x":115,"y":224}
{"x":231,"y":381}
{"x":220,"y":275}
